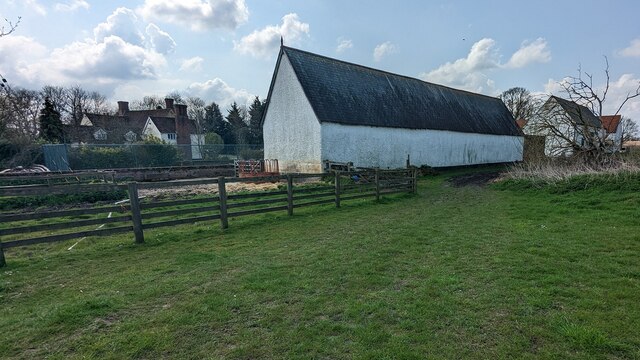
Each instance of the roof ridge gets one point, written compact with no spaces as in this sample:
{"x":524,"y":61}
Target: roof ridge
{"x":388,"y":72}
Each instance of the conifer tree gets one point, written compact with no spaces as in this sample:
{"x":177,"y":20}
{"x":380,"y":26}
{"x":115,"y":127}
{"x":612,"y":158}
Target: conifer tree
{"x":50,"y":123}
{"x":255,"y":116}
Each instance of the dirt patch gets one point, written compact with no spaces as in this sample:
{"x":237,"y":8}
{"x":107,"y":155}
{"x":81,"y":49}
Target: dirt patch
{"x":207,"y":189}
{"x":476,"y":179}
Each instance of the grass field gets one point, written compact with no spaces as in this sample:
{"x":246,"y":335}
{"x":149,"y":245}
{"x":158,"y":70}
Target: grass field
{"x":473,"y":272}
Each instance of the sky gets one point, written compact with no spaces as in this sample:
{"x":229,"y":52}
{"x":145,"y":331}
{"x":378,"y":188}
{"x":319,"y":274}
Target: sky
{"x":225,"y":50}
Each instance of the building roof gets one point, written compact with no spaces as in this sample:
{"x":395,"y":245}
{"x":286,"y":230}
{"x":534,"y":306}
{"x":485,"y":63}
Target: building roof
{"x":164,"y":124}
{"x":610,"y":122}
{"x":351,"y":94}
{"x":579,"y":114}
{"x":117,"y":126}
{"x":521,"y":123}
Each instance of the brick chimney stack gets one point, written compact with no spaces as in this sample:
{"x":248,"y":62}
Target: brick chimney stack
{"x":182,"y":124}
{"x":123,"y":108}
{"x":168,"y":103}
{"x":183,"y":133}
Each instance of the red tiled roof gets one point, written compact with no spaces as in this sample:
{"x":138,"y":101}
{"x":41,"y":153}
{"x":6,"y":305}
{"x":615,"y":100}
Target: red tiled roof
{"x":521,"y":123}
{"x":610,"y":122}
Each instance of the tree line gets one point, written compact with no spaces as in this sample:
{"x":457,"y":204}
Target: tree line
{"x":31,"y":117}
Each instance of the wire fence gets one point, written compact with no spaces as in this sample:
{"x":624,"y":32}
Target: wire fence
{"x":65,"y":157}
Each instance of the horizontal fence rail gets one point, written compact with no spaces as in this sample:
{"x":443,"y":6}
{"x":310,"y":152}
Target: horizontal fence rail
{"x":137,"y":214}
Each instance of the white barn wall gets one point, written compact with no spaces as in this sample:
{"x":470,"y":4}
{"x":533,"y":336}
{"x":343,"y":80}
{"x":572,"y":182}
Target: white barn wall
{"x":290,"y":128}
{"x":380,"y":147}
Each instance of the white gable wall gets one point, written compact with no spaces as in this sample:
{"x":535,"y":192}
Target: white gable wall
{"x":150,"y":129}
{"x":367,"y":146}
{"x":291,"y":130}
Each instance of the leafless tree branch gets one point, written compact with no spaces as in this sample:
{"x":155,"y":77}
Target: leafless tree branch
{"x":10,"y":27}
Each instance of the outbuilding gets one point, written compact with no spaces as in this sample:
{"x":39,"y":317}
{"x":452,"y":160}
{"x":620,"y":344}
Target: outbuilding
{"x":321,"y":109}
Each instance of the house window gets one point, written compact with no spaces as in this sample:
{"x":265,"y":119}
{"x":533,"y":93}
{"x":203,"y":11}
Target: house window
{"x":130,"y":136}
{"x":100,"y":135}
{"x":171,"y":136}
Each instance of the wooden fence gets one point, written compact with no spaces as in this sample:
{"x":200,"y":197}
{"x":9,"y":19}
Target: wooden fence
{"x":48,"y":179}
{"x":138,"y":214}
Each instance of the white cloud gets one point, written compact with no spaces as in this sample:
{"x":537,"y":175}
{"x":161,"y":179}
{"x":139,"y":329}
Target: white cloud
{"x":35,"y":6}
{"x":72,"y":5}
{"x":383,"y":50}
{"x":219,"y":91}
{"x":470,"y":72}
{"x":197,"y":14}
{"x":633,"y":50}
{"x":344,"y":44}
{"x":161,"y":41}
{"x":123,"y":23}
{"x":536,"y":51}
{"x":618,"y":91}
{"x":192,"y":64}
{"x":110,"y":60}
{"x":13,"y":50}
{"x":117,"y":53}
{"x":264,"y":43}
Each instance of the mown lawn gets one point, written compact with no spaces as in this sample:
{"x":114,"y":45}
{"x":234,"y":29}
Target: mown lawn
{"x":492,"y":272}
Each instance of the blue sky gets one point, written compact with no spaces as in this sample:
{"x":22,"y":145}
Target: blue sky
{"x":225,"y":50}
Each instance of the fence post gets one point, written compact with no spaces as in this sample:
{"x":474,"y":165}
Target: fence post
{"x":337,"y":184}
{"x":377,"y":185}
{"x":222,"y":193}
{"x":136,"y":217}
{"x":2,"y":260}
{"x":414,"y":175}
{"x":289,"y":194}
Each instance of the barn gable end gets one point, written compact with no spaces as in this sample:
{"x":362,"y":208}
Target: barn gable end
{"x":290,"y":123}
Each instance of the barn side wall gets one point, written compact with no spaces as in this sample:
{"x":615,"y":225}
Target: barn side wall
{"x":291,"y":130}
{"x":388,"y":147}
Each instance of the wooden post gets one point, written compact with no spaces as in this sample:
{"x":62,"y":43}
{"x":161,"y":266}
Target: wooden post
{"x":2,"y":260}
{"x":222,"y":193}
{"x":289,"y":194}
{"x":415,"y":181}
{"x":377,"y":185}
{"x":337,"y":184}
{"x":136,"y":217}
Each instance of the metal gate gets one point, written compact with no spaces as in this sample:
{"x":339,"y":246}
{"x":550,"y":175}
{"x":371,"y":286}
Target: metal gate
{"x":55,"y":157}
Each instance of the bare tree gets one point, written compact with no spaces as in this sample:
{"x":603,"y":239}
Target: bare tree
{"x":57,"y":95}
{"x":570,"y":128}
{"x":148,"y":103}
{"x":196,"y":111}
{"x":519,"y":102}
{"x":573,"y":126}
{"x":19,"y":113}
{"x":630,"y":130}
{"x":9,"y":28}
{"x":581,"y":90}
{"x":80,"y":101}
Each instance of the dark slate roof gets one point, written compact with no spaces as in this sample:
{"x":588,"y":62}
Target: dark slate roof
{"x":579,"y":114}
{"x":351,"y":94}
{"x":164,"y":124}
{"x":117,"y":126}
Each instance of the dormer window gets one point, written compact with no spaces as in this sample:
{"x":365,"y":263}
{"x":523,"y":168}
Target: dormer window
{"x":100,"y":134}
{"x":130,"y":136}
{"x":171,"y":136}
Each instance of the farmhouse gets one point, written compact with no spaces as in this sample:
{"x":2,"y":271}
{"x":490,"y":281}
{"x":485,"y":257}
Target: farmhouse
{"x":567,"y":126}
{"x":170,"y":124}
{"x":321,"y":109}
{"x":612,"y":125}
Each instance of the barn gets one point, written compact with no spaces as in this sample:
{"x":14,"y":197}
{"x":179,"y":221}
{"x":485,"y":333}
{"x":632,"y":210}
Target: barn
{"x":321,"y":109}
